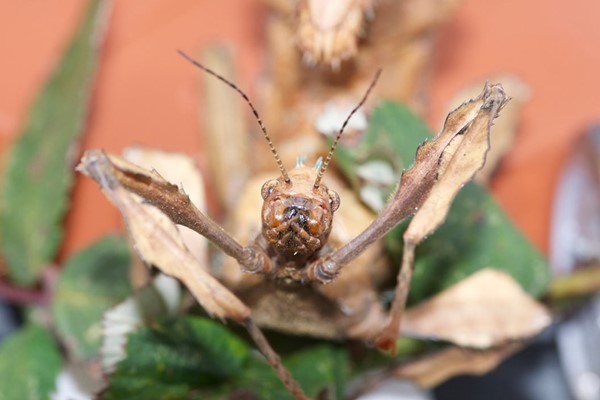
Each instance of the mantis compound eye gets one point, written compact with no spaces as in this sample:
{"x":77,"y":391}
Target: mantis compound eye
{"x":334,"y":200}
{"x":267,"y":188}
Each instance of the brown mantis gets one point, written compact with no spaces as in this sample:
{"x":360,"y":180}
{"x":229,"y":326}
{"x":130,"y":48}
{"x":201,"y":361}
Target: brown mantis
{"x":291,"y":254}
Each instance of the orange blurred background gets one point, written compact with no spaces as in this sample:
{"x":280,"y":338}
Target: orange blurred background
{"x":146,"y":95}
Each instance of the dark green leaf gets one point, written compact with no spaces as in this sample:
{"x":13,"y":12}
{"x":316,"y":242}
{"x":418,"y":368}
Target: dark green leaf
{"x":175,"y":357}
{"x":39,"y":173}
{"x":29,"y":365}
{"x":322,"y":367}
{"x":149,"y":304}
{"x":91,"y":282}
{"x":199,"y":358}
{"x":477,"y":234}
{"x":393,"y":135}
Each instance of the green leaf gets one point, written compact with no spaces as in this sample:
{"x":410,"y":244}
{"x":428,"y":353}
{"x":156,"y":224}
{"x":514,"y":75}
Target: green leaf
{"x":91,"y":282}
{"x":175,"y":357}
{"x":192,"y":357}
{"x":321,"y":367}
{"x":38,"y":172}
{"x":477,"y":234}
{"x":29,"y":364}
{"x":155,"y":301}
{"x":393,"y":136}
{"x":318,"y":368}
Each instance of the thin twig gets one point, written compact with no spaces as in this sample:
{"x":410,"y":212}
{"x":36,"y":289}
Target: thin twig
{"x":22,"y":296}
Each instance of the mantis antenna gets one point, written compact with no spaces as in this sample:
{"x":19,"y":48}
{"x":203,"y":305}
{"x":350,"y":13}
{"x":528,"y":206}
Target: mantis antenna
{"x":339,"y":135}
{"x":245,"y":97}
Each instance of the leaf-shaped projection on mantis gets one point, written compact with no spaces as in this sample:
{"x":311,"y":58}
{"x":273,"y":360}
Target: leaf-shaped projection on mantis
{"x":487,"y":235}
{"x":442,"y":167}
{"x":155,"y":236}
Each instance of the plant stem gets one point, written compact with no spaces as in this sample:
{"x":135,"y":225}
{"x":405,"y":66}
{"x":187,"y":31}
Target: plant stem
{"x":583,"y":281}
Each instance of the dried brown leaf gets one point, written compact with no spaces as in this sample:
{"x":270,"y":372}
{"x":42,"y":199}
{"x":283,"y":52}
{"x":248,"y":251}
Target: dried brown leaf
{"x":431,"y":370}
{"x":156,"y":238}
{"x":485,"y":310}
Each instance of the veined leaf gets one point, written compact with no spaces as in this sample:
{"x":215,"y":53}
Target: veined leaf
{"x":487,"y":238}
{"x":319,"y":368}
{"x":91,"y":282}
{"x":485,"y":310}
{"x":38,"y":173}
{"x":198,"y":358}
{"x":29,"y":364}
{"x":172,"y":359}
{"x":155,"y":301}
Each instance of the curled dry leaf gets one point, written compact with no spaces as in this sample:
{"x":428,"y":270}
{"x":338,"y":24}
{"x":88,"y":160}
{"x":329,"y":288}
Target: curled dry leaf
{"x":156,"y":238}
{"x":486,"y":310}
{"x":431,"y":370}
